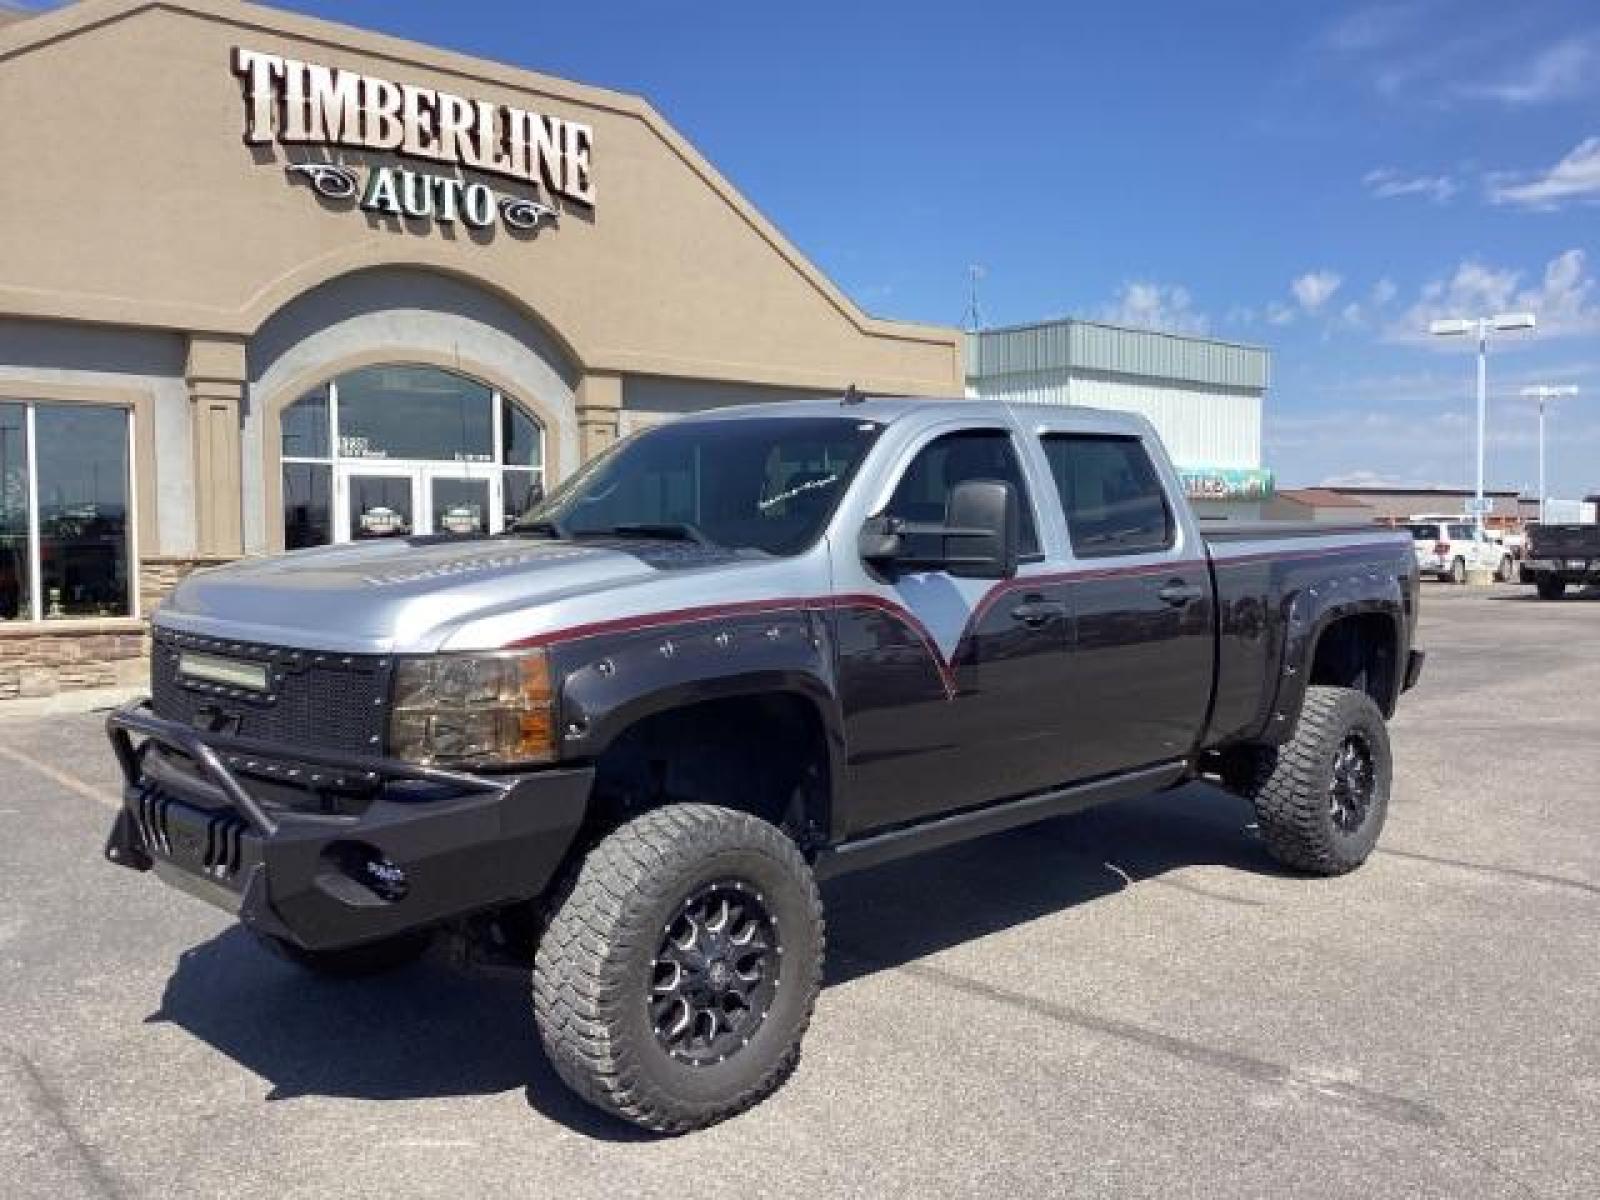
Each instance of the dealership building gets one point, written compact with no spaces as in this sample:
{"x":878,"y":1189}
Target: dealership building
{"x":268,"y":282}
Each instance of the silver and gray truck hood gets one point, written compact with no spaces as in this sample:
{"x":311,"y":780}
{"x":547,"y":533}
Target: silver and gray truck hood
{"x":423,"y":595}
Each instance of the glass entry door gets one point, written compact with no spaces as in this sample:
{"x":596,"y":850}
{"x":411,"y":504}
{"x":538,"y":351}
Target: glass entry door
{"x":459,"y":503}
{"x":402,"y":501}
{"x":378,"y":504}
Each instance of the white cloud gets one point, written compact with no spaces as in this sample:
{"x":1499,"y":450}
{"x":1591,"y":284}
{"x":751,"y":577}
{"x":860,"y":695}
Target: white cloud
{"x":1563,"y":71}
{"x":1563,"y":298}
{"x":1148,"y":305}
{"x":1575,"y":178}
{"x":1279,"y":314}
{"x":1386,"y":183}
{"x":1314,"y":289}
{"x":1383,"y":292}
{"x":1372,"y":27}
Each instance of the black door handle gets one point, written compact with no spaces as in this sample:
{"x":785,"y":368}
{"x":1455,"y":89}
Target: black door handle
{"x":1036,"y":610}
{"x":1176,"y":592}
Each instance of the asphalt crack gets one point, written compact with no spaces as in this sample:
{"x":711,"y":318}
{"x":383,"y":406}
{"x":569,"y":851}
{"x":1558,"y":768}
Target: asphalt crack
{"x":1399,"y":1110}
{"x":50,"y":1102}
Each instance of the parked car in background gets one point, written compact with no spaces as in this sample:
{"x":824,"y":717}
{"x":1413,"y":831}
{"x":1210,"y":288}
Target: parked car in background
{"x":1559,"y":555}
{"x":1448,"y":547}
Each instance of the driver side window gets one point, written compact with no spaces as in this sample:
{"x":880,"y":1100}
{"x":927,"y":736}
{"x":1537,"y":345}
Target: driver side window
{"x":924,"y":490}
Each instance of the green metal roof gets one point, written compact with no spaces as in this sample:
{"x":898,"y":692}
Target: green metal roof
{"x":1073,"y":345}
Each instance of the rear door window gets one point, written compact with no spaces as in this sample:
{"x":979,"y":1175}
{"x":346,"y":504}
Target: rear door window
{"x":1110,"y":494}
{"x":1461,"y":532}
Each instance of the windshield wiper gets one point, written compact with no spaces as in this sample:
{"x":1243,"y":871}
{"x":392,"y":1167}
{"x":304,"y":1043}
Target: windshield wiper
{"x":672,"y":531}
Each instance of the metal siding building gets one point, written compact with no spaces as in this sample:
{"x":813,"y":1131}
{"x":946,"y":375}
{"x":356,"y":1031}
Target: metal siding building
{"x":1203,"y":396}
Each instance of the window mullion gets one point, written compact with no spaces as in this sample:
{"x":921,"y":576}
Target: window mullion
{"x":35,"y":557}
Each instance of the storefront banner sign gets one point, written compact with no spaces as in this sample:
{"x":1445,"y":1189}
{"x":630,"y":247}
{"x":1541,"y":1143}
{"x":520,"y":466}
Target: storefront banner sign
{"x":1226,"y":483}
{"x":299,"y":104}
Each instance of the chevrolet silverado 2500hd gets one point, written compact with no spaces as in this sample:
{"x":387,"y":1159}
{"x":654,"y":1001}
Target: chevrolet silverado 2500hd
{"x":733,"y":655}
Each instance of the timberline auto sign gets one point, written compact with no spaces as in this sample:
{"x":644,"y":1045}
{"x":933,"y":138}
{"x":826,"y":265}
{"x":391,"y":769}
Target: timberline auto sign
{"x":297,"y":103}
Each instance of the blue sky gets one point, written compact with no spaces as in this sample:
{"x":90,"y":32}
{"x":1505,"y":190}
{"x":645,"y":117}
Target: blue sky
{"x":1315,"y":177}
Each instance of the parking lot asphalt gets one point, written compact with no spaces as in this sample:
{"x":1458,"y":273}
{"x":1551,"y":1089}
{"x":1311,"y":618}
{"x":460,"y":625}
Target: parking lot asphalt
{"x":1129,"y":1002}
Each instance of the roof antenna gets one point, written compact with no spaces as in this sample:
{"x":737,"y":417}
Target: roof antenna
{"x":852,"y":395}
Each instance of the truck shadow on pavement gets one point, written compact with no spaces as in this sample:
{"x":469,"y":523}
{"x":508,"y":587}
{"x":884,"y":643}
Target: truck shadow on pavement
{"x":431,"y":1031}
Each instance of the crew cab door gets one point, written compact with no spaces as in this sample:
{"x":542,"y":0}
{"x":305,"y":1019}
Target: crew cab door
{"x":1141,"y":602}
{"x":951,"y":689}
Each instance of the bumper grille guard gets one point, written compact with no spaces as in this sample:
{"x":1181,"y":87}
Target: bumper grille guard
{"x":136,"y":719}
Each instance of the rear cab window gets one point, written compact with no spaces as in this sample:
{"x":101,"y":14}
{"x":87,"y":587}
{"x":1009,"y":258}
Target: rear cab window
{"x":1110,"y":493}
{"x":1424,"y":532}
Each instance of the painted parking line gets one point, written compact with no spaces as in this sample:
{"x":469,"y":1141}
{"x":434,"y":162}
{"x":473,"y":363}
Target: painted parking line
{"x":71,"y":782}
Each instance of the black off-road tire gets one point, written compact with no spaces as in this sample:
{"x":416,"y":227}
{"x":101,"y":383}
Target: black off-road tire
{"x":597,"y":962}
{"x":351,"y":962}
{"x":1508,"y":570}
{"x":1306,"y":823}
{"x":1551,"y":587}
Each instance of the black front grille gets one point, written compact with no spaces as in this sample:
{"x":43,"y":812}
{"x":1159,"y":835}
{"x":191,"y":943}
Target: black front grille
{"x":314,"y":699}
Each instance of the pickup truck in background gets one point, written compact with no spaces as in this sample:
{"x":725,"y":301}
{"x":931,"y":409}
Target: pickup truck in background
{"x":1559,"y":555}
{"x":731,"y":656}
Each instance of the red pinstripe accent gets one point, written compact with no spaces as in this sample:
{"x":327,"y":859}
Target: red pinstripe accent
{"x":675,"y":616}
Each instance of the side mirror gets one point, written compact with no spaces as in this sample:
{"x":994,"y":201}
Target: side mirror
{"x":978,"y":539}
{"x":982,"y":529}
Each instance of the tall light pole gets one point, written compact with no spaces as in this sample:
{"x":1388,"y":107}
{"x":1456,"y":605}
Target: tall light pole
{"x":1500,"y":323}
{"x":1544,"y":392}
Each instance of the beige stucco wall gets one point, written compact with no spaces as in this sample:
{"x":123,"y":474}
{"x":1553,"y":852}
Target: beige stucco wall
{"x":142,"y":205}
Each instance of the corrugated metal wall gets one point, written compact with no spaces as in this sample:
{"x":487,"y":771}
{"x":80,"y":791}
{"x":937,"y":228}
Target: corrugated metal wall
{"x":1200,"y":427}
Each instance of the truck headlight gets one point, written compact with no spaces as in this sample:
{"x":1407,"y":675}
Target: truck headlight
{"x":473,"y":709}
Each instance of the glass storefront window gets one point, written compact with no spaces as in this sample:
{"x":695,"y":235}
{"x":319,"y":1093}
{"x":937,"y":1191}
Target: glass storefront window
{"x":65,"y":523}
{"x":457,"y":457}
{"x":16,"y":555}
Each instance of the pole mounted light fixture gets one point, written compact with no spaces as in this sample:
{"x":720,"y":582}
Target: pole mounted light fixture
{"x":1544,"y":393}
{"x":1482,"y":326}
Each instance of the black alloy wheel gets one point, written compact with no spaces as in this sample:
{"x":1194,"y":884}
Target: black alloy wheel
{"x":1354,"y":780}
{"x":715,"y":974}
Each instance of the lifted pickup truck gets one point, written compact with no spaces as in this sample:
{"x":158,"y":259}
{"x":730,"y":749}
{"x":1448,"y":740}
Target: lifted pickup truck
{"x":733,"y":655}
{"x":1559,"y":555}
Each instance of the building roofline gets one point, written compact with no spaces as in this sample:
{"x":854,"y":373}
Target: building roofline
{"x":1027,"y":326}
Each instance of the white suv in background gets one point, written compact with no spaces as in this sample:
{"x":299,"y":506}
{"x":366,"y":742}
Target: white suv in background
{"x":1448,"y":547}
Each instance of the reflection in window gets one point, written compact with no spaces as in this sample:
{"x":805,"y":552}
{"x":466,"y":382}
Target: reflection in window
{"x":307,"y":505}
{"x":415,"y":413}
{"x":16,"y":558}
{"x":523,"y":489}
{"x":64,"y":533}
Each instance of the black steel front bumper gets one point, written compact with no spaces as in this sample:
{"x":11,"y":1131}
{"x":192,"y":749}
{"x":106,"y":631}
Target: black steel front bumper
{"x":430,"y":845}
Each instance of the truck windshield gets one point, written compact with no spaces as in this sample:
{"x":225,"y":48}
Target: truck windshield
{"x":1424,"y":533}
{"x":758,"y":484}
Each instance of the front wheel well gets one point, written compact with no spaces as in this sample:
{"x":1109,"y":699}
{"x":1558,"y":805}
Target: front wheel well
{"x":765,"y":754}
{"x":1360,"y":652}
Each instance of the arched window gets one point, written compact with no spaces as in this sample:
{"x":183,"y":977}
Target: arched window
{"x":398,"y":450}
